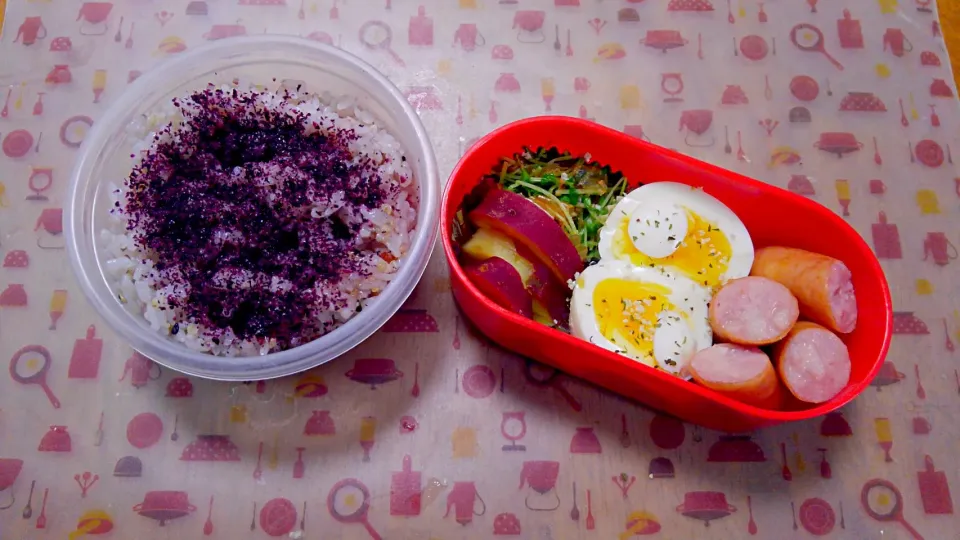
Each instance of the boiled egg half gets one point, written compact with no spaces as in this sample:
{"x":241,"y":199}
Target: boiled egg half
{"x":641,"y":313}
{"x":680,"y":230}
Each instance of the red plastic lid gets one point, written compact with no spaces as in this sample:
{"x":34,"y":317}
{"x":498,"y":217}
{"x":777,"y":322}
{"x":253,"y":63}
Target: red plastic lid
{"x":804,"y":88}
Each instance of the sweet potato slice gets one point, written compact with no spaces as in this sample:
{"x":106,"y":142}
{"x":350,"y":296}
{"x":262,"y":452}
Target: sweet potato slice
{"x":527,"y":224}
{"x":486,"y":243}
{"x":536,"y":276}
{"x":546,"y":291}
{"x":500,"y":282}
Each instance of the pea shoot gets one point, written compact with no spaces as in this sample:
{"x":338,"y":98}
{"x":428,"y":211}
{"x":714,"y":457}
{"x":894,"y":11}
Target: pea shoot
{"x":579,"y":194}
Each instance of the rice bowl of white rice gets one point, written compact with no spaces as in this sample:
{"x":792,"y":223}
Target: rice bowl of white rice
{"x":253,"y":208}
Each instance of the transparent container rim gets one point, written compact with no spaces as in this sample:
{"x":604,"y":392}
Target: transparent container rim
{"x":175,"y":355}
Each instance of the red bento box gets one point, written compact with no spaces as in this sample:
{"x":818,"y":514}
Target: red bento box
{"x":772,"y":215}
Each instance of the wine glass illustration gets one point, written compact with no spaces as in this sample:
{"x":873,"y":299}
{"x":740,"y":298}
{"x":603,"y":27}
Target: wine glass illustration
{"x":513,"y":426}
{"x":672,"y":84}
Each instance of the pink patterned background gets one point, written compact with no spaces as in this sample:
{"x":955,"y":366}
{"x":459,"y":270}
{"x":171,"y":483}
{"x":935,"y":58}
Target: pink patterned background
{"x":721,"y":80}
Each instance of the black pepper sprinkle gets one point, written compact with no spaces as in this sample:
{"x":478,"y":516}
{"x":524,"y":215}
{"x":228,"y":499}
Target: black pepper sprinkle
{"x":222,"y":205}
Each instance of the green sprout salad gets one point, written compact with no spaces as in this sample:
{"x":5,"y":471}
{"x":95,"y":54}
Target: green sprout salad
{"x":578,"y":193}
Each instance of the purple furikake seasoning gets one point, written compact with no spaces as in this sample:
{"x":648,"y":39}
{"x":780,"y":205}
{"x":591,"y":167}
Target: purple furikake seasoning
{"x":242,"y":207}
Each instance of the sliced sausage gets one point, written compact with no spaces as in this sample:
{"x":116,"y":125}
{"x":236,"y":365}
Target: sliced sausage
{"x":813,"y":362}
{"x":742,"y":373}
{"x":822,"y":284}
{"x":753,"y":311}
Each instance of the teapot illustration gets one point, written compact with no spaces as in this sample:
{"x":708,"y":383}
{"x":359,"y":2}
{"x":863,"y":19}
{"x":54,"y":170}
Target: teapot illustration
{"x":94,"y":16}
{"x":467,"y":36}
{"x":141,"y":370}
{"x":30,"y":31}
{"x":697,"y":121}
{"x":462,"y":499}
{"x":542,"y":477}
{"x":938,"y":246}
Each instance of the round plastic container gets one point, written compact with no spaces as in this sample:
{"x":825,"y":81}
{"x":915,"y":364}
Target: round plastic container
{"x":266,"y":60}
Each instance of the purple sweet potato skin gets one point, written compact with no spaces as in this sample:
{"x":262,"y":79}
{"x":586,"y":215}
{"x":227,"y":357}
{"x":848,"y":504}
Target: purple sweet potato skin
{"x":500,"y":282}
{"x":528,"y":225}
{"x":544,"y":288}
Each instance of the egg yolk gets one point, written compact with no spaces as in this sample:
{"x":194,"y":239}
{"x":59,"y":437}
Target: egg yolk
{"x":703,"y":255}
{"x":627,"y":313}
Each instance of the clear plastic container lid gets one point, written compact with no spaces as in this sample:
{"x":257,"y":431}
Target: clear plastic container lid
{"x":261,"y":60}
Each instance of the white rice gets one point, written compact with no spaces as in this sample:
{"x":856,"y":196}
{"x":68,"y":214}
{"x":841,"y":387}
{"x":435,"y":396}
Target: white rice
{"x":390,"y":226}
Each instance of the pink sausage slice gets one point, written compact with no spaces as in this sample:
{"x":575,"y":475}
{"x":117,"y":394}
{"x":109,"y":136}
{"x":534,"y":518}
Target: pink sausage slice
{"x":742,"y":373}
{"x":813,"y":362}
{"x":753,"y":311}
{"x":823,"y":285}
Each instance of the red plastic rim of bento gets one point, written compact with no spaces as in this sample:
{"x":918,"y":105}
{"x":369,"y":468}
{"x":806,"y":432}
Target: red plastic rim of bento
{"x":524,"y":324}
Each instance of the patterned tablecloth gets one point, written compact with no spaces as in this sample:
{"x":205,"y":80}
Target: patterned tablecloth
{"x":456,"y":442}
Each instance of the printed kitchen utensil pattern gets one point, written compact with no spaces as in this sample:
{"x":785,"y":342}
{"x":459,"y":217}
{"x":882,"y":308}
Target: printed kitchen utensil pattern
{"x":765,"y":76}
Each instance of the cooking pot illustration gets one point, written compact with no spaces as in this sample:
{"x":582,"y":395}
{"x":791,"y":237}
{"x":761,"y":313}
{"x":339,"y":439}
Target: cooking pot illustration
{"x":94,"y":16}
{"x":221,"y":31}
{"x":705,"y":506}
{"x":374,"y":371}
{"x":31,"y":29}
{"x":663,"y":39}
{"x":542,"y":477}
{"x":530,"y":25}
{"x":938,"y":246}
{"x":838,"y":143}
{"x":164,"y":506}
{"x":463,"y":498}
{"x":697,"y":121}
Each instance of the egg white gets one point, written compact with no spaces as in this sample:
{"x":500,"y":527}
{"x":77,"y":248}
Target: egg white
{"x":656,"y":216}
{"x":674,"y":339}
